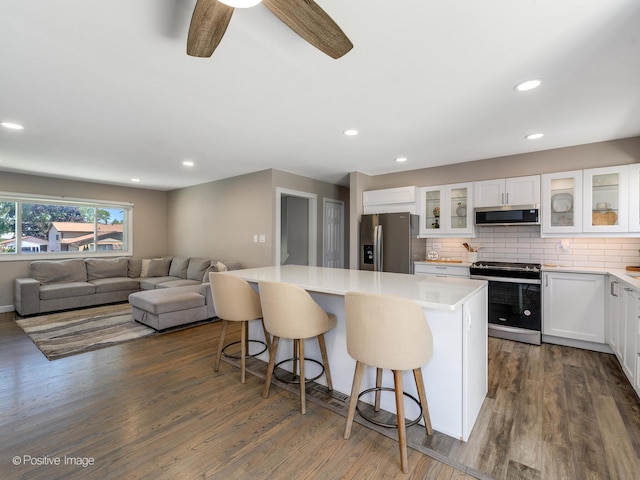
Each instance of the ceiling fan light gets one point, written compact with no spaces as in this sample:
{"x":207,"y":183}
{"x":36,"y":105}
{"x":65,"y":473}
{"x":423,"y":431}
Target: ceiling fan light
{"x":528,"y":85}
{"x":241,"y":3}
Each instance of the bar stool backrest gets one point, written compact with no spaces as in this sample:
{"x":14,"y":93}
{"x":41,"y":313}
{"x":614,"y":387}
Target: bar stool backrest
{"x":290,"y":312}
{"x":233,"y":298}
{"x":387,"y":331}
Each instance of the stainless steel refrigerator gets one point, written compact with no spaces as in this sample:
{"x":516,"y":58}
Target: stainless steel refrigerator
{"x":389,"y":242}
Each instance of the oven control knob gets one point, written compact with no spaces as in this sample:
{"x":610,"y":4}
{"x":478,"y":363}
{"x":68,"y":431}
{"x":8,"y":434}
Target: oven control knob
{"x":527,"y":313}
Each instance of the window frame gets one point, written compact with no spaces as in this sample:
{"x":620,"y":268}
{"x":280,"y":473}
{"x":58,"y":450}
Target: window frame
{"x":19,"y":199}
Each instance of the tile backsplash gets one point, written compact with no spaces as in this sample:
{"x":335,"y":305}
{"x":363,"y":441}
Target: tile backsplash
{"x":523,"y":244}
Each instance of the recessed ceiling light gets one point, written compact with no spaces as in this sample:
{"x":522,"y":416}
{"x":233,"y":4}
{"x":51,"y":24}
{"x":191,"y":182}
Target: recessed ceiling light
{"x":351,"y":132}
{"x":528,"y":85}
{"x":135,"y":180}
{"x":12,"y":126}
{"x":401,"y":159}
{"x":534,"y":136}
{"x":188,"y":163}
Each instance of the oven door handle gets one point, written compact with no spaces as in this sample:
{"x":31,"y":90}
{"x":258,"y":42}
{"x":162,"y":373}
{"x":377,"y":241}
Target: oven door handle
{"x":532,"y":281}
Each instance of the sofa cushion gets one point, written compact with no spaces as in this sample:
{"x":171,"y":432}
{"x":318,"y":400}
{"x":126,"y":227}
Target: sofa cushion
{"x":115,"y":284}
{"x":179,"y":266}
{"x":164,"y":301}
{"x":197,"y":267}
{"x":66,"y":289}
{"x":177,"y":283}
{"x":135,"y":267}
{"x":107,"y":267}
{"x":53,"y":271}
{"x":152,"y":283}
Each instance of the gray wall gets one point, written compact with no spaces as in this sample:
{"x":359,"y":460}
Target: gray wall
{"x":616,"y":152}
{"x":149,"y":217}
{"x":219,"y":219}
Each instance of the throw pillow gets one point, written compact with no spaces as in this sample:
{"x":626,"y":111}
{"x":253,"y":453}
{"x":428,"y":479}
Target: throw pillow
{"x":221,"y":267}
{"x":144,"y":272}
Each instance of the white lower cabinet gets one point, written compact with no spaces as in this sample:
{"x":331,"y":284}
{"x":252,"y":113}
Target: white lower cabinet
{"x":441,"y":270}
{"x":629,"y":324}
{"x":573,"y":306}
{"x":624,"y":329}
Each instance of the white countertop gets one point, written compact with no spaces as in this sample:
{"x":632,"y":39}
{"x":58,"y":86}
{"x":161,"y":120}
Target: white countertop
{"x":442,"y":262}
{"x":428,"y":292}
{"x":632,"y":278}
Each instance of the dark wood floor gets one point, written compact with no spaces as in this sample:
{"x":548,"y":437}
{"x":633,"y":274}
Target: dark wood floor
{"x":154,"y":408}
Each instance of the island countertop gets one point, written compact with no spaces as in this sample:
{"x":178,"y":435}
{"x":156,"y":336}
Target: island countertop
{"x":428,"y":292}
{"x":456,"y":376}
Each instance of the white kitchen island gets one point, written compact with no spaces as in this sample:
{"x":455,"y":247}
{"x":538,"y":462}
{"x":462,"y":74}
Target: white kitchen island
{"x":456,"y":309}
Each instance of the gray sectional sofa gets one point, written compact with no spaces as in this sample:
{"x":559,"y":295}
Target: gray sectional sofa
{"x":65,"y":284}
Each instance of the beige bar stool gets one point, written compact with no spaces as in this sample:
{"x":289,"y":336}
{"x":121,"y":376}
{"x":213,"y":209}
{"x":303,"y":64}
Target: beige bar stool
{"x":290,"y":312}
{"x":235,"y":301}
{"x":392,"y":333}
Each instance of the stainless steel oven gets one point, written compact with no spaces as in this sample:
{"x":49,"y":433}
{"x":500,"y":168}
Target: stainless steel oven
{"x":515,"y":299}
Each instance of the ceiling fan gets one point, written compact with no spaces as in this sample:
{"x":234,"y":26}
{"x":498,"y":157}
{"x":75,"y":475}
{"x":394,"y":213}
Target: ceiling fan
{"x":211,"y":18}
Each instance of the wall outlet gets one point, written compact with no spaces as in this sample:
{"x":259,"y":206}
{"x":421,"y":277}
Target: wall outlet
{"x":437,"y":246}
{"x":262,"y":238}
{"x":563,"y":245}
{"x":255,"y":238}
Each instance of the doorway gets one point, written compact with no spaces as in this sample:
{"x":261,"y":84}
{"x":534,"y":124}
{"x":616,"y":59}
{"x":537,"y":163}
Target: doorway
{"x":296,"y":228}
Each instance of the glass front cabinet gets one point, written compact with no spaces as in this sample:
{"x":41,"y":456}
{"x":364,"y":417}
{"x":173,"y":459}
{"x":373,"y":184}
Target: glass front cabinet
{"x":562,"y":202}
{"x":445,"y":210}
{"x":606,"y":199}
{"x":634,"y":199}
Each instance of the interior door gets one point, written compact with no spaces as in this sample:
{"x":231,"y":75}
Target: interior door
{"x":333,"y":237}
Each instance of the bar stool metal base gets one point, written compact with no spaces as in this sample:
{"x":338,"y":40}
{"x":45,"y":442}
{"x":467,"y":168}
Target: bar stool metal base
{"x":408,"y":423}
{"x":236,"y":356}
{"x":293,"y":359}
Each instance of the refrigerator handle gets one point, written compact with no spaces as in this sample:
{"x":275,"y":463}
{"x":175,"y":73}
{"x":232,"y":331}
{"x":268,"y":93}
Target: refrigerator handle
{"x":378,"y":257}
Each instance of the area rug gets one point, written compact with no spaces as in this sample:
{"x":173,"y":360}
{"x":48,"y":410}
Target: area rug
{"x":72,"y":332}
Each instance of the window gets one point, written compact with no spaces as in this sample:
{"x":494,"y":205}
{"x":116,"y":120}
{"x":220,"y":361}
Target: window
{"x":62,"y":227}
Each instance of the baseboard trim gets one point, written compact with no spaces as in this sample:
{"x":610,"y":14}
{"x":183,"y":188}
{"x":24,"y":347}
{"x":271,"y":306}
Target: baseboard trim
{"x":7,"y":308}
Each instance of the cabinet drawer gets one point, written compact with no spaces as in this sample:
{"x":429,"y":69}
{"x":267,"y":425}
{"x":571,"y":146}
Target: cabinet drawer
{"x":442,"y":270}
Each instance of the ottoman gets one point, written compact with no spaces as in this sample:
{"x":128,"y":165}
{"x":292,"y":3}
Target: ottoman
{"x":169,"y":307}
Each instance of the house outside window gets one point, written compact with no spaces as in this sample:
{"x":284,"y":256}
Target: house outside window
{"x":56,"y":227}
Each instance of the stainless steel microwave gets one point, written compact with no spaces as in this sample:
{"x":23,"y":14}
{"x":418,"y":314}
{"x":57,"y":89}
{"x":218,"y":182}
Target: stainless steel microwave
{"x":508,"y":215}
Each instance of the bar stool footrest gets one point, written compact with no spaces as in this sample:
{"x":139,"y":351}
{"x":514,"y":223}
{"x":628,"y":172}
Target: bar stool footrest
{"x":293,"y":359}
{"x":236,"y":356}
{"x":408,"y":423}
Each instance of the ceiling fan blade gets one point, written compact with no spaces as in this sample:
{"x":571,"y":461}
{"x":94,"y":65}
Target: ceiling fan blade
{"x":208,"y":24}
{"x":313,"y":24}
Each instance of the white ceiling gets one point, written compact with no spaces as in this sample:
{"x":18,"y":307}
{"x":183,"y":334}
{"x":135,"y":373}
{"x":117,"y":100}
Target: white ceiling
{"x":106,"y":91}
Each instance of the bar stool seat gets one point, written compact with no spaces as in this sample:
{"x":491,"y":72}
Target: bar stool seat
{"x":235,"y":301}
{"x":391,"y":333}
{"x":290,"y":312}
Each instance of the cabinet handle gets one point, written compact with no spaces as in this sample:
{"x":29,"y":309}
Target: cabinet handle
{"x":612,"y":288}
{"x":628,"y":289}
{"x":507,"y":202}
{"x":503,"y":198}
{"x":546,"y":280}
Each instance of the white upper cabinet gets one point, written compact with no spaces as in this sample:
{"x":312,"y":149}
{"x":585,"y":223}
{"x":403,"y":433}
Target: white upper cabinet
{"x":634,"y":197}
{"x":507,"y":191}
{"x":562,"y":202}
{"x":390,"y":200}
{"x":606,"y":199}
{"x":446,"y":210}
